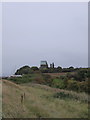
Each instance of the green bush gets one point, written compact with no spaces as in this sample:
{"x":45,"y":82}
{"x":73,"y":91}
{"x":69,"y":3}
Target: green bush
{"x":63,"y":95}
{"x":71,"y":96}
{"x":83,"y":86}
{"x":58,"y":83}
{"x":34,"y":68}
{"x":23,"y":79}
{"x":24,"y":70}
{"x":73,"y":85}
{"x":47,"y":79}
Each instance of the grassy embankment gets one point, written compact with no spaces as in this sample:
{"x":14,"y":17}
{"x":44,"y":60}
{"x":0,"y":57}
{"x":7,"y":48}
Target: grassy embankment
{"x":42,"y":101}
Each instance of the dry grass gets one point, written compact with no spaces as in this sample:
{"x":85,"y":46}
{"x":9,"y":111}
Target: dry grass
{"x":56,"y":74}
{"x":39,"y":102}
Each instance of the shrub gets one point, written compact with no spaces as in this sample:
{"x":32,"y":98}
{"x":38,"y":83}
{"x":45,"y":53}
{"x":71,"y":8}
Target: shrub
{"x":47,"y":79}
{"x":34,"y":68}
{"x":58,"y":83}
{"x":73,"y":85}
{"x":63,"y":95}
{"x":81,"y":74}
{"x":72,"y":96}
{"x":44,"y":70}
{"x":39,"y":80}
{"x":20,"y":80}
{"x":24,"y":70}
{"x":83,"y":86}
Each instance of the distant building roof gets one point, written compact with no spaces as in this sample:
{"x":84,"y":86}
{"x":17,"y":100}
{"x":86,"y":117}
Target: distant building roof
{"x":43,"y":62}
{"x":15,"y":76}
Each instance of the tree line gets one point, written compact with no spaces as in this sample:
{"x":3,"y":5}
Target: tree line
{"x":28,"y":70}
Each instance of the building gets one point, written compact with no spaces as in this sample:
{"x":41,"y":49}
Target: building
{"x":43,"y":64}
{"x":52,"y":65}
{"x":13,"y":76}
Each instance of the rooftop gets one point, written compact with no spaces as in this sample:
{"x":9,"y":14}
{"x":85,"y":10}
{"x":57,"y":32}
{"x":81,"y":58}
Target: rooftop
{"x":43,"y":62}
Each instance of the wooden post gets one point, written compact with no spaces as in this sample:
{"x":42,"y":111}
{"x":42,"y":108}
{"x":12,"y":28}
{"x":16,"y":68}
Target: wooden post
{"x":24,"y":95}
{"x":21,"y":98}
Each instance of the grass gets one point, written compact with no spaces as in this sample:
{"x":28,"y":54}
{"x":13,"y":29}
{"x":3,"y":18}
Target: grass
{"x":72,"y":96}
{"x":54,"y":75}
{"x":35,"y":77}
{"x":40,"y":102}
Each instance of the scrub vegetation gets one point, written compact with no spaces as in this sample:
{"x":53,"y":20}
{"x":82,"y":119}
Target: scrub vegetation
{"x":42,"y":101}
{"x":40,"y":94}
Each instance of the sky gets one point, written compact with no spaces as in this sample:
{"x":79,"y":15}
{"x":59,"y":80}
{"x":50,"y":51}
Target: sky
{"x":55,"y":32}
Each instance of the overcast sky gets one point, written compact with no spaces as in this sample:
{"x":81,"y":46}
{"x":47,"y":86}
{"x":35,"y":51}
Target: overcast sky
{"x":56,"y":32}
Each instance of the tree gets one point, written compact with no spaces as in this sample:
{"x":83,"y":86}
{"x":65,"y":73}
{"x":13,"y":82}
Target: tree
{"x":59,"y":69}
{"x":23,"y":70}
{"x":34,"y":68}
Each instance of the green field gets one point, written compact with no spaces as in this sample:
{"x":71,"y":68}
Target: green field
{"x":42,"y":101}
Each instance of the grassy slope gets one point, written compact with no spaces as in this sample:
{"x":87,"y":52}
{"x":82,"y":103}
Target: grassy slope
{"x":56,"y":74}
{"x":39,"y":102}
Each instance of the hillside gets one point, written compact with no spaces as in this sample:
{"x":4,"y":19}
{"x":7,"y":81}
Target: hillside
{"x":76,"y":80}
{"x":40,"y":101}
